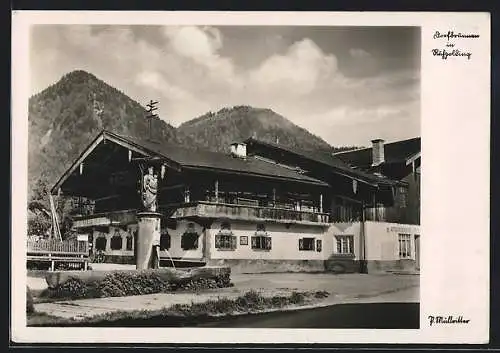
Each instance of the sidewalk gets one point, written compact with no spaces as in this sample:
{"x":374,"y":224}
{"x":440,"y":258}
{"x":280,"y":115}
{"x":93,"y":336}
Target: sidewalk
{"x":342,"y":289}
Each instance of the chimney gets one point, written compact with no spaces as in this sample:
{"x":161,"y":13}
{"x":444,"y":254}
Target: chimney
{"x":239,"y":149}
{"x":377,"y":152}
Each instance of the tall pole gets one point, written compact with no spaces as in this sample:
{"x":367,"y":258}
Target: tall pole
{"x":364,"y":267}
{"x":151,"y":108}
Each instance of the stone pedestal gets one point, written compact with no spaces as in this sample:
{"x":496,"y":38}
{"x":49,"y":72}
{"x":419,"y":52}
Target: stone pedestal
{"x":147,"y":224}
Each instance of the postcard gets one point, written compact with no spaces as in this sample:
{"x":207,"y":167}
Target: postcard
{"x":244,"y":177}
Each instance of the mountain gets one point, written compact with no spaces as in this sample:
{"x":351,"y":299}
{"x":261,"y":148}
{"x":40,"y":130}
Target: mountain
{"x":66,"y":116}
{"x":216,"y":131}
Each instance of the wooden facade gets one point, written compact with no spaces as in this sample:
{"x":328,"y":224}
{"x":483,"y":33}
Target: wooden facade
{"x":219,"y":208}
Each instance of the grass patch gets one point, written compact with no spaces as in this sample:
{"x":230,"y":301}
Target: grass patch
{"x":184,"y":314}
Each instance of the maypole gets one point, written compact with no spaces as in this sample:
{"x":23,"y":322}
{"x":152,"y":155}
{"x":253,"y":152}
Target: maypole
{"x":56,"y":231}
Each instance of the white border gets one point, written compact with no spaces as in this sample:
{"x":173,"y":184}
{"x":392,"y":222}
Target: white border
{"x":455,"y":180}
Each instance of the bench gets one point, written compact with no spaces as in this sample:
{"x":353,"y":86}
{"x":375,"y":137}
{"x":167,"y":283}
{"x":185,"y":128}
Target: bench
{"x":59,"y":259}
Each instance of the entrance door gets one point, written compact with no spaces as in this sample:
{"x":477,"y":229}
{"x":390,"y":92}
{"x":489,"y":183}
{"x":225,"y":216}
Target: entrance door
{"x":417,"y":251}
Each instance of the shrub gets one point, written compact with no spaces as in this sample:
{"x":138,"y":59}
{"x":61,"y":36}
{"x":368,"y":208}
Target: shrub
{"x":30,"y":308}
{"x":320,"y":294}
{"x":297,"y":298}
{"x":73,"y":288}
{"x":119,"y":284}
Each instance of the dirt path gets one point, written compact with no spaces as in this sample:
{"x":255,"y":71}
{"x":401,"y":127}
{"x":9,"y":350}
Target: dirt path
{"x":342,"y":288}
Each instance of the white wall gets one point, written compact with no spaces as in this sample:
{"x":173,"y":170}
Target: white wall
{"x":343,"y":229}
{"x":175,"y":242}
{"x":123,"y":234}
{"x":285,"y":242}
{"x":382,"y":240}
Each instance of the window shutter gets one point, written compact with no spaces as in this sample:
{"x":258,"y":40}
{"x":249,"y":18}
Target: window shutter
{"x":301,"y":244}
{"x":233,"y":242}
{"x":268,"y":243}
{"x":254,"y":242}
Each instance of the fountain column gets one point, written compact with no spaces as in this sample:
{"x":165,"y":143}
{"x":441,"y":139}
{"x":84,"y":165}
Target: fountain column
{"x":148,"y":231}
{"x":149,"y":223}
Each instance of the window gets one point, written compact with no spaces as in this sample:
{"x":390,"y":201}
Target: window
{"x":404,"y":246}
{"x":100,"y":243}
{"x":261,"y":242}
{"x":225,"y":241}
{"x":189,"y":240}
{"x":165,"y":241}
{"x":116,"y":242}
{"x":345,"y":244}
{"x":403,"y":191}
{"x":130,"y":242}
{"x":307,"y":244}
{"x":319,"y":244}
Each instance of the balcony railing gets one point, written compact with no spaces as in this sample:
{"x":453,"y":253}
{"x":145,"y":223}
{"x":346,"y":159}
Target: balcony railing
{"x":121,"y":217}
{"x":246,"y":212}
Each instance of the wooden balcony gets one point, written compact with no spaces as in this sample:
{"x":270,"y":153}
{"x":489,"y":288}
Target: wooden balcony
{"x":247,"y":212}
{"x":122,"y":217}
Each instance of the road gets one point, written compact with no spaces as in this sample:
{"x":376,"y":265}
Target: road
{"x":396,"y":310}
{"x":365,"y":315}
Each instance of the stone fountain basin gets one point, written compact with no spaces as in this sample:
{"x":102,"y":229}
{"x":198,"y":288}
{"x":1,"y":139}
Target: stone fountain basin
{"x":55,"y":278}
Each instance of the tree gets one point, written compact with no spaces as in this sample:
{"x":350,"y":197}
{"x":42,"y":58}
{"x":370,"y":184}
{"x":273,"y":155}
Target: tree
{"x":39,"y":215}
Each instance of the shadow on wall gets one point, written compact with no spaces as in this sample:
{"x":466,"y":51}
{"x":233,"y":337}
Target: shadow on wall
{"x":342,"y":264}
{"x":264,"y":265}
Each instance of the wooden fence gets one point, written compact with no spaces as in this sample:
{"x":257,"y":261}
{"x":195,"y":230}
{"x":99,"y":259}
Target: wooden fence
{"x":46,"y":246}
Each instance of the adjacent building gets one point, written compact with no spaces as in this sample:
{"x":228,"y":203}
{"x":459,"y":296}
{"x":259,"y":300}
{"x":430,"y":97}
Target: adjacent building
{"x":260,"y":208}
{"x":399,"y":160}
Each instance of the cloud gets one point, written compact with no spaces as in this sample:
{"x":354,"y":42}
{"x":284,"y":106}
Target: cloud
{"x":298,"y":71}
{"x":184,"y":69}
{"x":389,"y":121}
{"x":154,"y":80}
{"x":198,"y":44}
{"x":359,"y":53}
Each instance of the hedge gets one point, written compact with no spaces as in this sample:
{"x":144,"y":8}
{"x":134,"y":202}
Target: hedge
{"x":119,"y":284}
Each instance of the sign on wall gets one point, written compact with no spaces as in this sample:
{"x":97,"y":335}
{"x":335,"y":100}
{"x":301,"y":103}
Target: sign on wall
{"x":403,"y":229}
{"x":82,"y":237}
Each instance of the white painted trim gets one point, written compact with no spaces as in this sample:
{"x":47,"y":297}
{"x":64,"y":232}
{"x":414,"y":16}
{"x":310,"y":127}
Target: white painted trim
{"x":101,"y":138}
{"x":80,"y":159}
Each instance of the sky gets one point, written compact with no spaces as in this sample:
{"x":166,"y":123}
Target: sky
{"x":348,"y":85}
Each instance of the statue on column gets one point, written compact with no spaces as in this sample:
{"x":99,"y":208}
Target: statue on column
{"x":150,"y":190}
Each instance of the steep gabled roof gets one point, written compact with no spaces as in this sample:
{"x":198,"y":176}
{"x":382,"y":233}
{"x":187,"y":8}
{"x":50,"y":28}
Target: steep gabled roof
{"x":328,"y":159}
{"x":183,"y":158}
{"x":394,"y":152}
{"x":188,"y":158}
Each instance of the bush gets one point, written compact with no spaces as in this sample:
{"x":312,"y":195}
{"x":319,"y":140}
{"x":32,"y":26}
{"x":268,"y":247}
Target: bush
{"x":123,"y":284}
{"x":73,"y":288}
{"x":119,"y":284}
{"x":320,"y":294}
{"x":30,"y":308}
{"x":297,"y":298}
